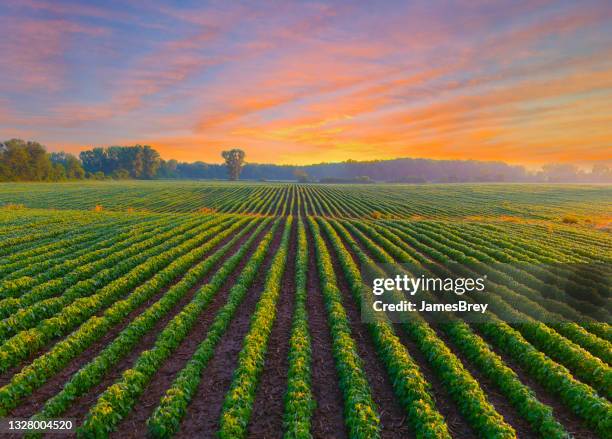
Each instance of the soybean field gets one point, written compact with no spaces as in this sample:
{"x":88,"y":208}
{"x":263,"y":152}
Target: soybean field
{"x":214,"y":309}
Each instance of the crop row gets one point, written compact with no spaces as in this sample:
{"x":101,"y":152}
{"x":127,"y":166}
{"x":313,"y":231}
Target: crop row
{"x":27,"y":342}
{"x":238,"y":403}
{"x":476,"y":350}
{"x":45,"y":366}
{"x":577,"y":396}
{"x":117,"y":400}
{"x":410,"y":386}
{"x":93,"y":372}
{"x":361,"y":414}
{"x":299,"y":400}
{"x":462,"y":387}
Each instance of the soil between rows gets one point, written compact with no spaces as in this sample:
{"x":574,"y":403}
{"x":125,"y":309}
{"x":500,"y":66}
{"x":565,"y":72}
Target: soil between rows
{"x":7,"y":376}
{"x":134,"y":425}
{"x":457,"y":424}
{"x":35,"y":402}
{"x":267,"y":415}
{"x":565,"y":416}
{"x":392,"y":416}
{"x":494,"y":395}
{"x":202,"y":416}
{"x":328,"y":417}
{"x":572,"y":423}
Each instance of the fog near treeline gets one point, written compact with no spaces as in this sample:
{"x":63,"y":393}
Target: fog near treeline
{"x":29,"y":161}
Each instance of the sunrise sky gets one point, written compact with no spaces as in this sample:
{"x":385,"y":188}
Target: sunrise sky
{"x":525,"y":82}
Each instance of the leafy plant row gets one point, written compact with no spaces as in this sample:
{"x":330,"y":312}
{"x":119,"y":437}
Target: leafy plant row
{"x":586,"y":366}
{"x":77,"y":241}
{"x":238,"y":404}
{"x":83,"y":264}
{"x":98,"y":240}
{"x":27,"y":342}
{"x":92,"y":373}
{"x":166,"y":418}
{"x":47,"y":300}
{"x":521,"y":281}
{"x":45,"y":366}
{"x":462,"y":387}
{"x":410,"y":386}
{"x":299,"y":400}
{"x":64,"y":275}
{"x":117,"y":400}
{"x":597,"y":346}
{"x":361,"y":414}
{"x":539,"y":415}
{"x":579,"y":397}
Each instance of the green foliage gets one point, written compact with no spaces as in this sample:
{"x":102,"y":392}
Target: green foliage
{"x":118,"y":399}
{"x":410,"y":386}
{"x":299,"y":400}
{"x":136,"y":161}
{"x":69,"y":277}
{"x":361,"y":413}
{"x":93,"y":372}
{"x":29,"y":161}
{"x":238,"y":403}
{"x":234,"y":159}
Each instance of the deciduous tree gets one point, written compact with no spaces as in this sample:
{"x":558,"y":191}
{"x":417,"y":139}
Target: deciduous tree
{"x":234,"y":159}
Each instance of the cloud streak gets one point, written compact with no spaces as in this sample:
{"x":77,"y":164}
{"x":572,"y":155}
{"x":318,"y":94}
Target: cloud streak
{"x":526,"y":82}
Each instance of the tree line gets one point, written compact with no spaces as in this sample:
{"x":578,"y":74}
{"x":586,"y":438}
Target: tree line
{"x":29,"y":161}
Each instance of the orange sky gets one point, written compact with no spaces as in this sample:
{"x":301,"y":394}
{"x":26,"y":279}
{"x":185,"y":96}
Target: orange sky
{"x":526,"y":82}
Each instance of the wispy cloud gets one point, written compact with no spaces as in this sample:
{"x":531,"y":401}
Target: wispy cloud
{"x":298,"y":82}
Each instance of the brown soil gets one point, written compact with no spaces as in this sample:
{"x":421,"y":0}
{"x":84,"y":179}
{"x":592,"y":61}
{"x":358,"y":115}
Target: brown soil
{"x":267,"y":414}
{"x":328,"y":418}
{"x":392,"y":416}
{"x":302,"y":207}
{"x":203,"y":413}
{"x":572,"y":423}
{"x":457,"y":424}
{"x":295,"y":211}
{"x":134,"y":425}
{"x":80,"y":407}
{"x":35,"y":402}
{"x":7,"y":376}
{"x":566,"y":417}
{"x":494,"y":395}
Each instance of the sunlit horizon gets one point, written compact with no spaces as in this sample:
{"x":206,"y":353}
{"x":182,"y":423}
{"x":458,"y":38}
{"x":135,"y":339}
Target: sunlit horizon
{"x":302,"y":83}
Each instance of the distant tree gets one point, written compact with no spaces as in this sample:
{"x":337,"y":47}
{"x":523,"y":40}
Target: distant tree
{"x":58,"y":172}
{"x":561,"y":172}
{"x":73,"y":169}
{"x":301,"y":176}
{"x":97,"y":175}
{"x":601,"y":173}
{"x":150,"y":162}
{"x":138,"y":160}
{"x":234,"y":159}
{"x":167,"y":169}
{"x":24,"y":161}
{"x":93,"y":160}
